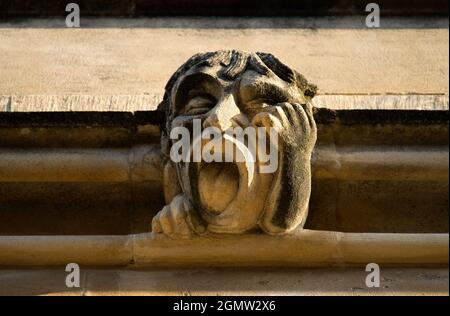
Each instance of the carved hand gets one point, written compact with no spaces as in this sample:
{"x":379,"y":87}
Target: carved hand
{"x":294,"y":123}
{"x":174,"y":219}
{"x":287,"y":205}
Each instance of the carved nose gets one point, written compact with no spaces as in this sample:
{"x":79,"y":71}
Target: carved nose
{"x":221,"y":116}
{"x":213,"y":121}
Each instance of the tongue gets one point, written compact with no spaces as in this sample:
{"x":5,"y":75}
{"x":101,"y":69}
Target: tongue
{"x":218,"y":185}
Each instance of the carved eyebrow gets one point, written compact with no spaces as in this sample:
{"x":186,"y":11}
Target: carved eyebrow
{"x":267,"y":90}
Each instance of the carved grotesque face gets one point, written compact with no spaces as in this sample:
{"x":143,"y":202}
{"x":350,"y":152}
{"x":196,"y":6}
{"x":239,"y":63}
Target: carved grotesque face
{"x":230,"y":89}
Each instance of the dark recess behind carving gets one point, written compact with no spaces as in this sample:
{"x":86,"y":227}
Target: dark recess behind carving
{"x":131,"y":120}
{"x":118,"y":208}
{"x":133,"y":8}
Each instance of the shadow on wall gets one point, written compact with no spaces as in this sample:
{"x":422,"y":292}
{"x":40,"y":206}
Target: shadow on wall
{"x":333,"y":13}
{"x":230,"y":23}
{"x":221,"y":8}
{"x":412,"y":198}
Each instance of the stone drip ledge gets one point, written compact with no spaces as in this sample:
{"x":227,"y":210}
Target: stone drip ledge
{"x":305,"y":248}
{"x":143,"y":163}
{"x":146,"y":102}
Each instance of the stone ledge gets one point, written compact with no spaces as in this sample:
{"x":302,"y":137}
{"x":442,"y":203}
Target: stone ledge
{"x":305,"y":248}
{"x":143,"y":163}
{"x":146,"y":102}
{"x":224,"y":282}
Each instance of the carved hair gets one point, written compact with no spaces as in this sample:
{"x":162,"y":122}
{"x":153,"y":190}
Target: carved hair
{"x":235,"y":62}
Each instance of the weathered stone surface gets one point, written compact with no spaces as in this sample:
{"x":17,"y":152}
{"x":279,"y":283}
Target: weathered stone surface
{"x":135,"y":57}
{"x":225,"y":90}
{"x":86,"y":203}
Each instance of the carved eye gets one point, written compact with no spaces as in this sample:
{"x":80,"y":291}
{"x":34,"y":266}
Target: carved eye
{"x":257,"y":105}
{"x":260,"y":103}
{"x":199,"y":105}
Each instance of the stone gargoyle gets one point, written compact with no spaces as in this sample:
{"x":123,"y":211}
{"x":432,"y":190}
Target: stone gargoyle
{"x":224,"y":90}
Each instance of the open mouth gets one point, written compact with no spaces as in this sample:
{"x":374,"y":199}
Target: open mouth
{"x":221,"y":182}
{"x":218,"y":184}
